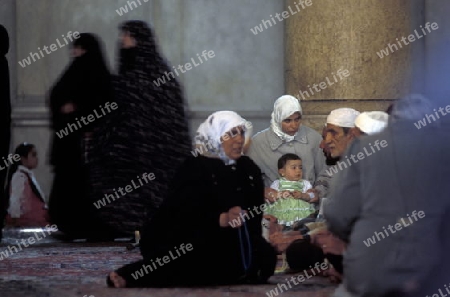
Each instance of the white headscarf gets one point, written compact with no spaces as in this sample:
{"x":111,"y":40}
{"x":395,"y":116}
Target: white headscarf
{"x":284,"y":107}
{"x":207,"y":138}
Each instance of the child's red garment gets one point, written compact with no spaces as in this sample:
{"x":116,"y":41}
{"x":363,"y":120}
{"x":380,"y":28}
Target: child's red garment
{"x":27,"y":206}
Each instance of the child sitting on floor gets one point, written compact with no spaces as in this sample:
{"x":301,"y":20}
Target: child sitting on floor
{"x":297,"y":205}
{"x":27,"y":206}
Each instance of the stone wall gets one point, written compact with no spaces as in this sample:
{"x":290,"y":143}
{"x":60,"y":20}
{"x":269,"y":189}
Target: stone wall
{"x":247,"y":73}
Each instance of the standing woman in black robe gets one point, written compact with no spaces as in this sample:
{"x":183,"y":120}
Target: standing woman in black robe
{"x":201,"y":223}
{"x":148,"y":133}
{"x":84,"y":87}
{"x":5,"y":118}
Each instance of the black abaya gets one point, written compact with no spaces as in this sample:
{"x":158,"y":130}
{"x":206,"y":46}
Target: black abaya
{"x":203,"y":189}
{"x":148,"y":133}
{"x":87,"y":85}
{"x":5,"y":117}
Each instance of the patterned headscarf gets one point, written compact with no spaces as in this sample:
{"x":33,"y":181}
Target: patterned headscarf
{"x":284,"y":107}
{"x":209,"y":133}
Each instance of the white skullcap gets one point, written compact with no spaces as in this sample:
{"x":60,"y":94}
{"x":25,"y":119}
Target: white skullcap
{"x":343,"y":117}
{"x":372,"y":122}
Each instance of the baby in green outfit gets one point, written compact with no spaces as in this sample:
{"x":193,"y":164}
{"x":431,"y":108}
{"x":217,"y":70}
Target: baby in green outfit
{"x":297,"y":205}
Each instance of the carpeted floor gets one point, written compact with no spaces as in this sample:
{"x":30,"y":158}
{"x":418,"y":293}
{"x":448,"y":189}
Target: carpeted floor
{"x":53,"y":268}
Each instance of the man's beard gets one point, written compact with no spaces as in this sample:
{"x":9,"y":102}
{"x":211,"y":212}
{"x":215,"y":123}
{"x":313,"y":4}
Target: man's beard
{"x":330,"y":161}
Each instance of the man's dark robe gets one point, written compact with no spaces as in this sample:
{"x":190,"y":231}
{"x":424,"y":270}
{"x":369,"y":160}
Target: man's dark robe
{"x":5,"y":115}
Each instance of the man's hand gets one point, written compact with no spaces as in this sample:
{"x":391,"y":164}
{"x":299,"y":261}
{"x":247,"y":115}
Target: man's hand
{"x":316,"y":195}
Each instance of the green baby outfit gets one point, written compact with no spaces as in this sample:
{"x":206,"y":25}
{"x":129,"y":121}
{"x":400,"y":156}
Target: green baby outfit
{"x":290,"y":210}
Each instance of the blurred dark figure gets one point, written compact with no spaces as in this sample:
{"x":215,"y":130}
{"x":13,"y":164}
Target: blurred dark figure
{"x":392,"y":210}
{"x":5,"y":118}
{"x":147,"y":134}
{"x":83,"y":88}
{"x":412,"y":107}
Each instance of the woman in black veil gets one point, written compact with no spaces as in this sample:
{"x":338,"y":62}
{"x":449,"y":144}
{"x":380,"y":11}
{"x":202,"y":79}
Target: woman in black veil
{"x":83,"y":88}
{"x":147,"y":135}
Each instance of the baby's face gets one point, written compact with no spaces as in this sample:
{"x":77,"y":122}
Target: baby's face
{"x":292,"y":170}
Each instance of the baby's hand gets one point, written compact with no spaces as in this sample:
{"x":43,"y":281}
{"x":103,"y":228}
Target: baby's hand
{"x":285,"y":195}
{"x":297,"y":195}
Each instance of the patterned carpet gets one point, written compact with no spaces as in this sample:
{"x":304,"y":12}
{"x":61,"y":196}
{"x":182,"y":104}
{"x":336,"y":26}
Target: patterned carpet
{"x":50,"y":267}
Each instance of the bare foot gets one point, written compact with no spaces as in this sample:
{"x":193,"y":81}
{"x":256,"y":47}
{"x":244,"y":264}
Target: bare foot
{"x":117,"y":280}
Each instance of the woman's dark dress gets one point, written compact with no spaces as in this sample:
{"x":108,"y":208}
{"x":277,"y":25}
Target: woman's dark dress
{"x":202,"y":190}
{"x":87,"y":84}
{"x":5,"y":117}
{"x":148,"y":133}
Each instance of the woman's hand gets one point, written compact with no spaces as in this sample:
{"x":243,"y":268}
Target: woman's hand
{"x":232,"y":218}
{"x":270,"y":195}
{"x":68,"y":108}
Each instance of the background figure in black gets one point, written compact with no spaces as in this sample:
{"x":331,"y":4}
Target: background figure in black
{"x":5,"y":117}
{"x":148,"y":133}
{"x":84,"y":88}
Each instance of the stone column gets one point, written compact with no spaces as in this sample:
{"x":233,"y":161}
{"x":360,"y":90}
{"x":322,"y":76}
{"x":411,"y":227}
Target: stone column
{"x":332,"y":54}
{"x":437,"y":61}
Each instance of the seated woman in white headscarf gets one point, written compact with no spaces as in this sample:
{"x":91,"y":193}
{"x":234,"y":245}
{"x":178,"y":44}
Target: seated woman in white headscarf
{"x":287,"y":135}
{"x":208,"y":230}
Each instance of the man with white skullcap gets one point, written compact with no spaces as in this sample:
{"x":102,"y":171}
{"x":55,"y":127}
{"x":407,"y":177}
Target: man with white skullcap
{"x":337,"y":136}
{"x":338,"y":133}
{"x":370,"y":122}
